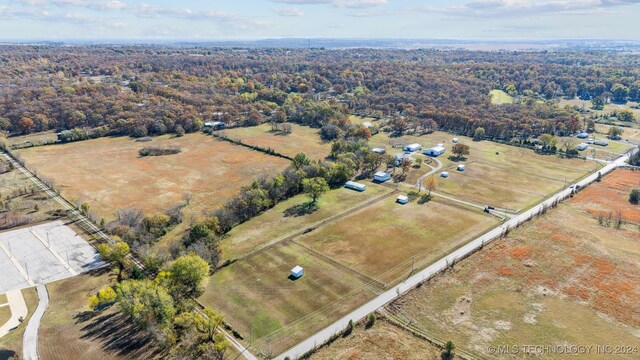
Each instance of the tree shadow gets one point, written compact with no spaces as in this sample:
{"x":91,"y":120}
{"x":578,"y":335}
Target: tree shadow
{"x":301,"y":209}
{"x":116,"y":334}
{"x":7,"y":354}
{"x":457,"y":158}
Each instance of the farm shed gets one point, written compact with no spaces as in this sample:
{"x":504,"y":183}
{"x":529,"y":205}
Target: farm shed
{"x":297,"y":272}
{"x":444,"y":174}
{"x":378,"y":150}
{"x":412,"y":147}
{"x":461,"y":167}
{"x":583,"y":146}
{"x":601,"y":142}
{"x":456,"y":140}
{"x":381,"y":176}
{"x":401,"y":156}
{"x":435,"y":151}
{"x":355,"y":186}
{"x":402,"y":199}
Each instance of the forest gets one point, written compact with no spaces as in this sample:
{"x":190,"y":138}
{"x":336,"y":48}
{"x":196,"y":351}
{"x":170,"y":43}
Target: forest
{"x":150,"y":90}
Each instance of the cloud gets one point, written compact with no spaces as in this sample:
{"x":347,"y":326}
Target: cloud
{"x":294,"y":11}
{"x":349,"y":4}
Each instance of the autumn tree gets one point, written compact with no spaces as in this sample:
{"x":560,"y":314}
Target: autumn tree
{"x":300,"y":160}
{"x":479,"y":134}
{"x":430,"y":183}
{"x":25,"y":125}
{"x":460,"y":151}
{"x":116,"y":254}
{"x":615,"y":132}
{"x":186,"y":276}
{"x":315,"y":187}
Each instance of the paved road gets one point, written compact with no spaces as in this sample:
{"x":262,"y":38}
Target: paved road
{"x":82,"y":219}
{"x":18,"y":310}
{"x":30,"y":336}
{"x":390,"y":295}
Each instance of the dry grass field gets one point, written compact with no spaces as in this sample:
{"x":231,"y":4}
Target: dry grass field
{"x":70,"y":331}
{"x":278,"y":222}
{"x":11,"y":344}
{"x":383,"y":341}
{"x":496,"y":174}
{"x":108,"y":173}
{"x":5,"y":313}
{"x":499,"y":97}
{"x":274,"y":312}
{"x":301,"y":139}
{"x":561,"y":279}
{"x":383,"y":240}
{"x":32,"y":139}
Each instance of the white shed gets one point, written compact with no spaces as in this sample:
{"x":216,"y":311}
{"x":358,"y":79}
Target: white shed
{"x":460,"y":167}
{"x":378,"y":150}
{"x":355,"y":186}
{"x":456,"y":140}
{"x":582,"y":146}
{"x":297,"y":272}
{"x":402,"y":199}
{"x":381,"y":176}
{"x":435,"y":151}
{"x":444,"y":174}
{"x":367,"y":124}
{"x":412,"y":147}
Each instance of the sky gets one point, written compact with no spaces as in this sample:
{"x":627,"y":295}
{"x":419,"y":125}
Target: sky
{"x":262,"y":19}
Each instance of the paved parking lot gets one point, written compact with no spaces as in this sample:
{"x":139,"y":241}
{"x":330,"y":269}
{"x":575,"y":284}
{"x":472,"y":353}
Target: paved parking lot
{"x":42,"y":254}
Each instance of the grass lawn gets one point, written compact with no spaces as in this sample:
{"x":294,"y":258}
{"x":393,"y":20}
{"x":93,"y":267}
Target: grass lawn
{"x":499,"y":97}
{"x":381,"y":240}
{"x":11,"y":344}
{"x":301,"y":139}
{"x":361,"y":119}
{"x":382,"y":341}
{"x":630,"y":135}
{"x":5,"y":314}
{"x":560,"y":279}
{"x":609,"y":108}
{"x":109,"y":174}
{"x":276,"y":223}
{"x":496,"y":174}
{"x":273,"y":312}
{"x":35,"y":139}
{"x":3,"y":299}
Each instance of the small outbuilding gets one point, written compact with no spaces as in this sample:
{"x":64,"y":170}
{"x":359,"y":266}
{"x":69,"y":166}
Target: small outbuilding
{"x":355,"y":186}
{"x":367,"y":124}
{"x":444,"y":174}
{"x":412,"y":147}
{"x":460,"y":167}
{"x":402,"y":199}
{"x":401,"y":156}
{"x":601,"y":142}
{"x":456,"y":140}
{"x":435,"y":151}
{"x":582,"y":147}
{"x":583,"y":135}
{"x":297,"y":272}
{"x":381,"y":176}
{"x":380,"y":151}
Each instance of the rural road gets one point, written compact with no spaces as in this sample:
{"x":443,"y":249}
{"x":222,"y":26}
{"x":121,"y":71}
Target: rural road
{"x":82,"y":219}
{"x":18,"y":310}
{"x":337,"y":327}
{"x":30,"y":337}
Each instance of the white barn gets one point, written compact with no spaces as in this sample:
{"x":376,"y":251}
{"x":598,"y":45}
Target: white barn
{"x":381,"y":176}
{"x":412,"y":147}
{"x":461,"y":167}
{"x":379,"y":150}
{"x":402,"y":199}
{"x":435,"y":151}
{"x":444,"y":174}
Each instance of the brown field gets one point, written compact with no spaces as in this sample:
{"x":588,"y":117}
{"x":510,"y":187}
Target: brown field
{"x":70,"y":331}
{"x":382,"y":240}
{"x":612,"y":195}
{"x":11,"y":344}
{"x":108,"y":174}
{"x":5,"y":313}
{"x":384,"y":341}
{"x":560,"y":279}
{"x":301,"y":139}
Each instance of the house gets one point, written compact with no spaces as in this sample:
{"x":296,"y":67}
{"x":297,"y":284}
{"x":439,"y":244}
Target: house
{"x":412,"y":147}
{"x":582,"y":147}
{"x":402,"y":199}
{"x":601,"y":142}
{"x":297,"y":272}
{"x":460,"y":167}
{"x":355,"y":186}
{"x":378,"y":150}
{"x":435,"y":151}
{"x":381,"y":176}
{"x":65,"y":135}
{"x":213,"y":125}
{"x":456,"y":140}
{"x":444,"y":174}
{"x":583,"y":135}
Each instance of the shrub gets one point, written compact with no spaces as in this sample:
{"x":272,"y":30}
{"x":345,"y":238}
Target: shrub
{"x":154,"y":151}
{"x":634,"y":196}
